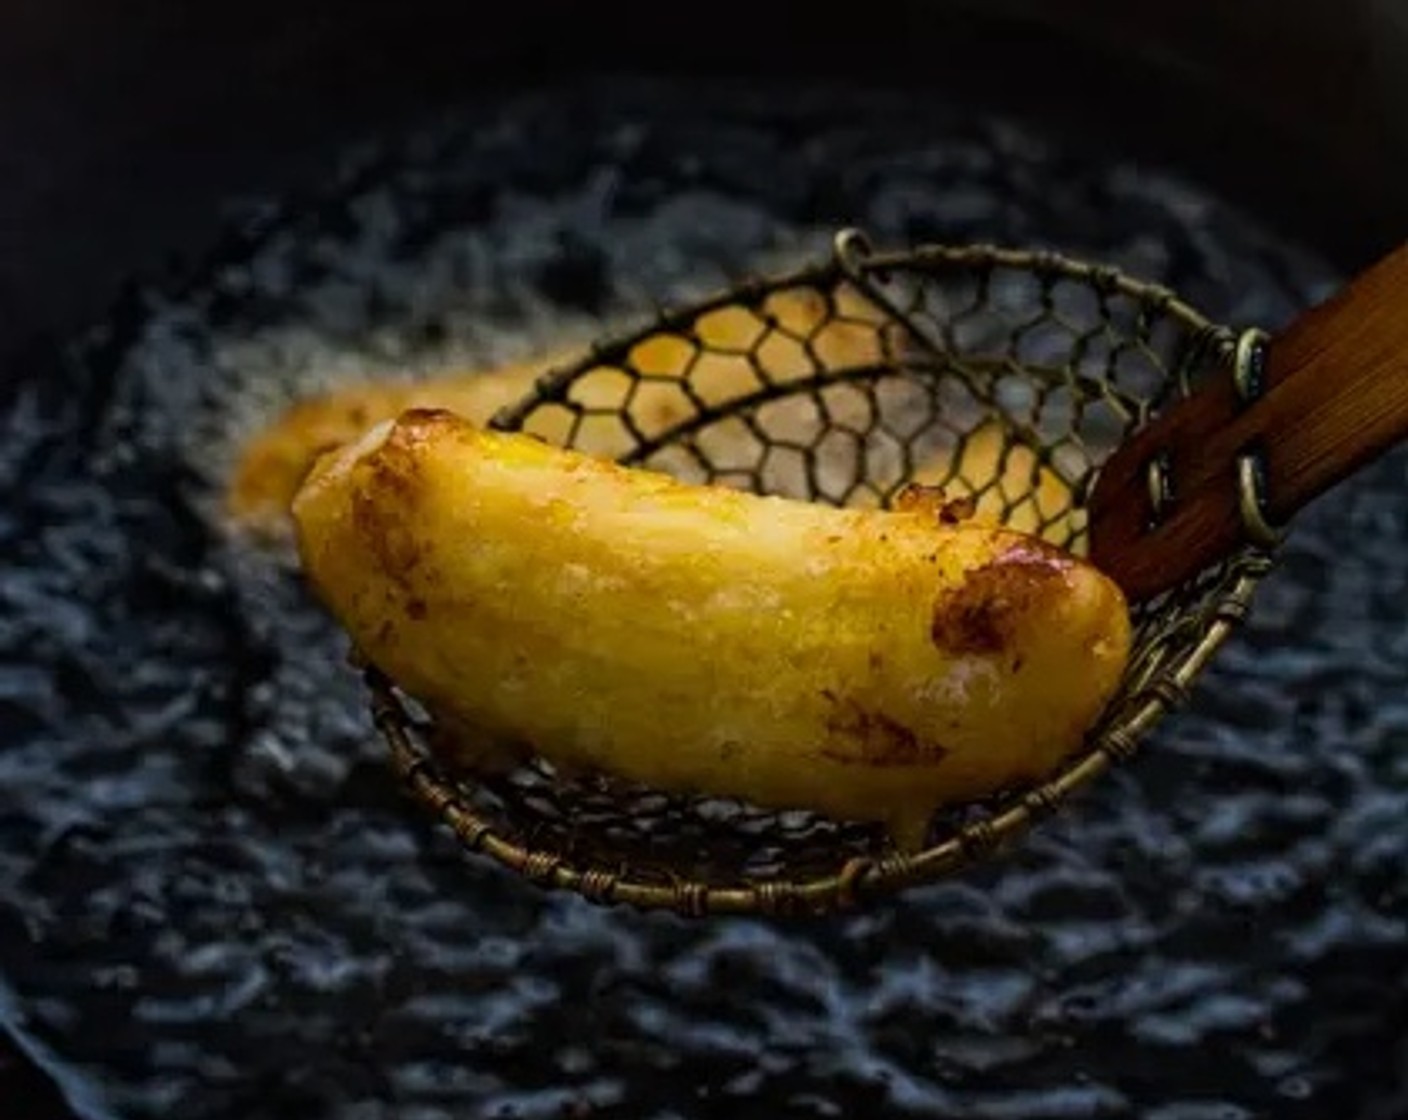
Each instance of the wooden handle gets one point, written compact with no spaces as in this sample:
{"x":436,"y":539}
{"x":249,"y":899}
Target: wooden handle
{"x":1319,"y":401}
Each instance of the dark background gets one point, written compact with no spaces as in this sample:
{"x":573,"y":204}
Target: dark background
{"x":127,"y":129}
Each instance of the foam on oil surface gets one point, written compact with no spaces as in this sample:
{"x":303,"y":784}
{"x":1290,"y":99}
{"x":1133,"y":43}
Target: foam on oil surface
{"x":476,"y":316}
{"x":213,"y":901}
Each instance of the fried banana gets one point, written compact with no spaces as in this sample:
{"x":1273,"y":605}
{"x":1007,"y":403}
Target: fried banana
{"x":721,"y":359}
{"x":1005,"y":481}
{"x":868,"y":665}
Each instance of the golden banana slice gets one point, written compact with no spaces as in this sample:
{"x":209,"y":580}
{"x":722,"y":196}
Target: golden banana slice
{"x":865,"y":664}
{"x":1007,"y":482}
{"x":273,"y":463}
{"x":729,"y":348}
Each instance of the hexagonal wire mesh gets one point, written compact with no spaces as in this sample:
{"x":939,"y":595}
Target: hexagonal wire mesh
{"x":1004,"y":377}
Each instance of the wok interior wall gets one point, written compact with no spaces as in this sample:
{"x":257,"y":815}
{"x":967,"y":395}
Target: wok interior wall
{"x":126,"y":129}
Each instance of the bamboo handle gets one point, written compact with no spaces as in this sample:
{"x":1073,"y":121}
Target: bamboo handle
{"x":1301,"y":412}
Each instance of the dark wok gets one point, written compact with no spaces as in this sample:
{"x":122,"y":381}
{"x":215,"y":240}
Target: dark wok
{"x":213,"y":901}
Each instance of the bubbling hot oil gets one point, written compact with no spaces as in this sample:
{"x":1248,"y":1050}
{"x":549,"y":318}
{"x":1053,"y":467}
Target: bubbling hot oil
{"x":228,"y":908}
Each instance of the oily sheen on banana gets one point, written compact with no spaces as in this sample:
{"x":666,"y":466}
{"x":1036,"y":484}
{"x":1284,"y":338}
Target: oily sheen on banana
{"x":865,"y":664}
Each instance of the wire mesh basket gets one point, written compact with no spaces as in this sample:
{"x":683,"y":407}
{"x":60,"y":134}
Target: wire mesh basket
{"x":1003,"y":377}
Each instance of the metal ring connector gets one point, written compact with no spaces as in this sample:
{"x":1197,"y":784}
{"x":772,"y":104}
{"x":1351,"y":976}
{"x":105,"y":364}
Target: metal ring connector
{"x":1251,"y":501}
{"x":1159,"y":481}
{"x":1249,"y":365}
{"x":851,"y":246}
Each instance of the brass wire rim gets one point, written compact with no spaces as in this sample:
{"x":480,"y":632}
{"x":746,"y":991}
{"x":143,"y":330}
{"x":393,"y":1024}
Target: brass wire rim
{"x":1178,"y":641}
